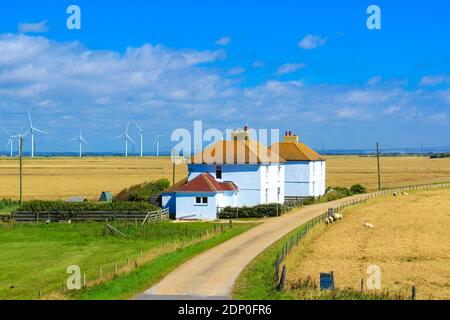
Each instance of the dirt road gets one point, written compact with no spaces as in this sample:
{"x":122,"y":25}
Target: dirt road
{"x":211,"y":275}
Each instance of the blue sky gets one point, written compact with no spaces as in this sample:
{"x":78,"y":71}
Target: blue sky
{"x":168,"y":63}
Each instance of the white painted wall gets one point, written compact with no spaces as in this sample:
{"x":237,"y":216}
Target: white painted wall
{"x":305,"y":178}
{"x":183,"y":204}
{"x":251,"y":179}
{"x":186,"y":206}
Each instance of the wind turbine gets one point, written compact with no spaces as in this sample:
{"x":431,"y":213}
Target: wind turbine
{"x":32,"y":131}
{"x":157,"y":136}
{"x":80,"y":140}
{"x":10,"y":142}
{"x":140,"y":132}
{"x":126,"y":137}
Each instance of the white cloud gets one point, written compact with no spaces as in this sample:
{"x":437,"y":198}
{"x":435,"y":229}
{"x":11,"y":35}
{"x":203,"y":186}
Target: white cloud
{"x":38,"y":27}
{"x":258,"y":64}
{"x":375,"y":80}
{"x":236,"y":71}
{"x":311,"y":41}
{"x":224,"y":41}
{"x":433,"y":80}
{"x":155,"y":84}
{"x":392,"y":110}
{"x":290,"y":68}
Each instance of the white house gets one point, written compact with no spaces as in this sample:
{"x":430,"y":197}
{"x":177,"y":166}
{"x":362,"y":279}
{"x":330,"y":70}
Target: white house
{"x":304,"y":168}
{"x":200,"y":197}
{"x":256,"y":171}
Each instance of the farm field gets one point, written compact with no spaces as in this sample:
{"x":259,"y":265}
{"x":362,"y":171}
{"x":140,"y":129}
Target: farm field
{"x":395,"y":171}
{"x":409,"y":243}
{"x":34,"y":257}
{"x":59,"y":178}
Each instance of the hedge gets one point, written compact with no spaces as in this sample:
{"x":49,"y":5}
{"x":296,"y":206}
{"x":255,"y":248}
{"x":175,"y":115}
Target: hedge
{"x":142,"y":192}
{"x":259,"y":211}
{"x":5,"y":203}
{"x":40,"y":206}
{"x":274,"y":209}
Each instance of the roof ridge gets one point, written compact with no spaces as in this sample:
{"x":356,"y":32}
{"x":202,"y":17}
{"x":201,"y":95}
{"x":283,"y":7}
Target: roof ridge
{"x":204,"y":175}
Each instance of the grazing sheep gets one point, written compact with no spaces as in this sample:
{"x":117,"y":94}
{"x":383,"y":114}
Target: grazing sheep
{"x":368,"y":225}
{"x":405,"y":193}
{"x":337,"y":216}
{"x":394,"y":194}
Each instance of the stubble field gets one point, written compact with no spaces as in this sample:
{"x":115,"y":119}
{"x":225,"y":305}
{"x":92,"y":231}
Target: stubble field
{"x":409,"y":243}
{"x":59,"y":178}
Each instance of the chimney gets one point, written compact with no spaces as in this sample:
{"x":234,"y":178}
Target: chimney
{"x":240,"y":134}
{"x":290,"y":138}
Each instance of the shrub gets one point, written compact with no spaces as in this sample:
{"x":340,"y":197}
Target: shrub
{"x":142,"y":192}
{"x":39,"y":206}
{"x":259,"y":211}
{"x":5,"y":203}
{"x":358,"y":189}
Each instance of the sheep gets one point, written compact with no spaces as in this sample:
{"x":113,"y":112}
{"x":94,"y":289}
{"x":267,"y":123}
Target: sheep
{"x":394,"y":194}
{"x":337,"y":216}
{"x":368,"y":225}
{"x":405,"y":193}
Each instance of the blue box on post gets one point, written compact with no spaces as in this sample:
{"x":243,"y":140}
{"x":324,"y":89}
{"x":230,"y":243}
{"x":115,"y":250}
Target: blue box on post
{"x":326,"y":280}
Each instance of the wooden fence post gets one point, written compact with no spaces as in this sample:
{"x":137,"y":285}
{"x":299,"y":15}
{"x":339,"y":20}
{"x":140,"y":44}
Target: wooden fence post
{"x":282,"y":282}
{"x":413,"y":293}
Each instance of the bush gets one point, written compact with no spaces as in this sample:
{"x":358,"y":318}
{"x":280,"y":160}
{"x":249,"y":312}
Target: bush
{"x":358,"y":189}
{"x":142,"y":192}
{"x":5,"y":203}
{"x":259,"y":211}
{"x":40,"y":206}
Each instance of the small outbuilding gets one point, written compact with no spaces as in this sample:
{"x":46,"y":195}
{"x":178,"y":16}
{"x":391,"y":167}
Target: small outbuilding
{"x":77,"y":199}
{"x":105,"y":196}
{"x":200,"y":198}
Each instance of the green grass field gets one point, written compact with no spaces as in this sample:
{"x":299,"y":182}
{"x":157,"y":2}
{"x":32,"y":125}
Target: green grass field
{"x":35,"y":257}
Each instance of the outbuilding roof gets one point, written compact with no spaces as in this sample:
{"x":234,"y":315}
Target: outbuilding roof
{"x":296,"y":151}
{"x":236,"y":152}
{"x":204,"y":182}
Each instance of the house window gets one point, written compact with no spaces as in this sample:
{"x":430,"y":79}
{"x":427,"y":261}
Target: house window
{"x":267,"y":195}
{"x":278,"y":196}
{"x":201,"y":200}
{"x":218,"y":172}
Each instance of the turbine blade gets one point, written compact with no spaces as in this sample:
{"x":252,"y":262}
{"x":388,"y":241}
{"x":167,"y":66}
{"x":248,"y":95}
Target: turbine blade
{"x":38,"y":130}
{"x":121,"y":136}
{"x":29,"y":119}
{"x":129,"y":138}
{"x":82,"y":139}
{"x":140,"y":129}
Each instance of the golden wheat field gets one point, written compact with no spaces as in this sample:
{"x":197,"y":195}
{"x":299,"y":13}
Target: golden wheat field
{"x":56,"y":178}
{"x":59,"y":178}
{"x":395,"y":171}
{"x":409,"y":242}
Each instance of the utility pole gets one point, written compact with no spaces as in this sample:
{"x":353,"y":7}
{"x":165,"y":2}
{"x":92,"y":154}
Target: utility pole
{"x":378,"y":166}
{"x":173,"y":168}
{"x":20,"y":164}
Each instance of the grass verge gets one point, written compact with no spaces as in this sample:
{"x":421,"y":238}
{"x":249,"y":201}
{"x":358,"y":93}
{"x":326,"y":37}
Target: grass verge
{"x":128,"y":285}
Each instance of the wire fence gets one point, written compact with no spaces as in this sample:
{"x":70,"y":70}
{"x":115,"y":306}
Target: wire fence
{"x":295,"y":239}
{"x":95,"y":275}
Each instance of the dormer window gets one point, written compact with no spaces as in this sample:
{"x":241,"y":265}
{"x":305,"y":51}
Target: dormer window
{"x":218,"y":172}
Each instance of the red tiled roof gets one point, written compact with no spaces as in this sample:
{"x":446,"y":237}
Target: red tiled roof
{"x":204,"y":183}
